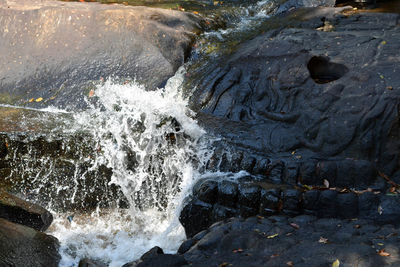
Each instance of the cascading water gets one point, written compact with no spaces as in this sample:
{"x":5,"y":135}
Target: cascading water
{"x":155,"y":150}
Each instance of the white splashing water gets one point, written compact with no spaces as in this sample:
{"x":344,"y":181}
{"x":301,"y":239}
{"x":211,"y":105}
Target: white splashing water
{"x":156,"y":151}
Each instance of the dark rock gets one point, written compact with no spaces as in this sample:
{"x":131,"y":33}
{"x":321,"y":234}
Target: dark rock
{"x":20,"y":211}
{"x":85,"y":262}
{"x":152,"y":253}
{"x":310,"y":201}
{"x":273,"y":242}
{"x":228,"y":193}
{"x":24,"y":246}
{"x":302,"y":96}
{"x":327,"y":204}
{"x":347,"y":205}
{"x":270,"y":201}
{"x":151,"y":52}
{"x":292,"y":202}
{"x":220,"y":212}
{"x":276,"y":172}
{"x":195,"y":216}
{"x":206,"y":190}
{"x":389,"y":210}
{"x":368,"y":204}
{"x":166,"y":260}
{"x":249,"y":195}
{"x":185,"y":246}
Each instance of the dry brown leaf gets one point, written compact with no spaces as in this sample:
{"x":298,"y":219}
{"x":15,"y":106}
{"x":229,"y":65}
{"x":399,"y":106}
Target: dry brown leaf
{"x":326,"y":183}
{"x":295,"y":226}
{"x":274,"y":255}
{"x":289,"y":263}
{"x":357,"y":226}
{"x":383,"y":253}
{"x":224,"y":264}
{"x":323,"y":240}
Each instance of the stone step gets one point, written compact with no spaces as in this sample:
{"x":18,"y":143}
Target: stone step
{"x":218,"y":199}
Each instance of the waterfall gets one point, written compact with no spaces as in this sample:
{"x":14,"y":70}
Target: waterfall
{"x":156,"y":151}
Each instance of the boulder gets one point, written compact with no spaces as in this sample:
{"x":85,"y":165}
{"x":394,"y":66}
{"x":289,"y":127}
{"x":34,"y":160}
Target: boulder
{"x":20,"y":211}
{"x":52,"y":51}
{"x":24,"y":246}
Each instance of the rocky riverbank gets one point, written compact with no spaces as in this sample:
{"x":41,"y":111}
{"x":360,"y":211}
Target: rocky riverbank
{"x":306,"y":104}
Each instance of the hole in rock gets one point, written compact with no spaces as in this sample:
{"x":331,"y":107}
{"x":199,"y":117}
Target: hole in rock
{"x":324,"y":71}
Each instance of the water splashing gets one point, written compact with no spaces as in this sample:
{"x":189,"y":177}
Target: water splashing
{"x":156,"y":151}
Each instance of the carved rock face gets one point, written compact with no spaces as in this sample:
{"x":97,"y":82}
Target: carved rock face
{"x":321,"y":94}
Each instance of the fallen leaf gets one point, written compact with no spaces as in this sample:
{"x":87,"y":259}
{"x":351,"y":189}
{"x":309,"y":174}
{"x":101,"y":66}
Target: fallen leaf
{"x":31,"y":100}
{"x":380,"y":244}
{"x":380,"y":210}
{"x":272,"y":236}
{"x":293,"y":152}
{"x":383,"y":253}
{"x":336,"y":263}
{"x":274,"y":255}
{"x":383,"y":42}
{"x":289,"y":263}
{"x":295,"y":226}
{"x":389,"y":87}
{"x":224,"y":264}
{"x":91,"y":93}
{"x":39,"y":99}
{"x":381,"y":76}
{"x":195,"y":12}
{"x":323,"y":240}
{"x":357,"y":226}
{"x":326,"y":183}
{"x":392,"y":189}
{"x":237,"y":250}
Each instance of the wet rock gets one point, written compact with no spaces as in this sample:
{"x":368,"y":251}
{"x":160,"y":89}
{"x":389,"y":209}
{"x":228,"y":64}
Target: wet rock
{"x":166,"y":260}
{"x":249,"y":195}
{"x":228,"y":193}
{"x":85,"y":262}
{"x":152,"y":253}
{"x":220,"y":212}
{"x":303,"y":96}
{"x":23,"y":246}
{"x":270,"y":201}
{"x":97,"y":41}
{"x":206,"y":190}
{"x":20,"y":211}
{"x":196,"y":216}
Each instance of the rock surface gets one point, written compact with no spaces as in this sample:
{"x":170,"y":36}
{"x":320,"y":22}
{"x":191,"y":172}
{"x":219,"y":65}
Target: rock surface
{"x":24,"y":246}
{"x":53,"y":50}
{"x":322,"y":93}
{"x":20,"y":211}
{"x":299,"y":241}
{"x":250,"y":196}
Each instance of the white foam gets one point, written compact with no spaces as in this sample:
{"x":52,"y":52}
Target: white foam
{"x":120,"y":236}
